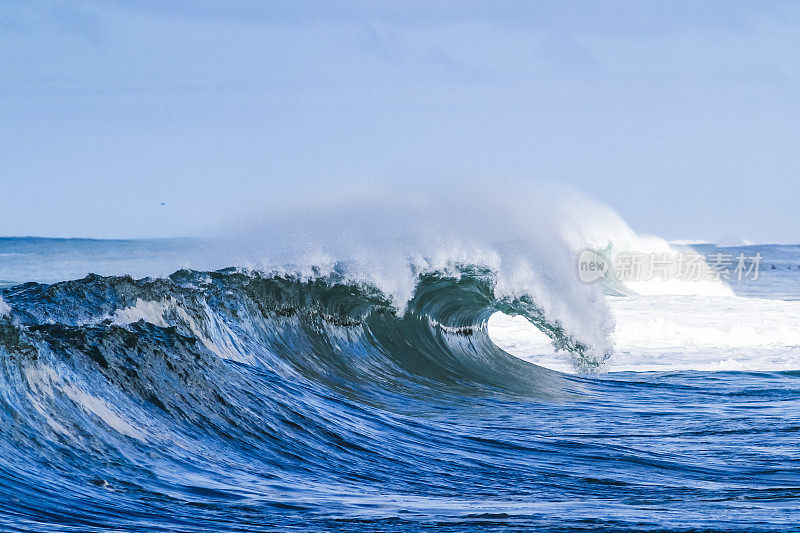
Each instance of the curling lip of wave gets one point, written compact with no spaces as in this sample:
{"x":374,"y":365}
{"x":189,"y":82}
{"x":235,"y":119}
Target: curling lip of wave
{"x":443,"y":328}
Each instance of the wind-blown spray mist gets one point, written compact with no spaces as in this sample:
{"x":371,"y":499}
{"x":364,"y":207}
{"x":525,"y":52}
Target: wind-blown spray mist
{"x":389,"y":240}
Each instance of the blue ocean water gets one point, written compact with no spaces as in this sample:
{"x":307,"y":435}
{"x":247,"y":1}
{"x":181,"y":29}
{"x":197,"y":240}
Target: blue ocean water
{"x":233,"y":400}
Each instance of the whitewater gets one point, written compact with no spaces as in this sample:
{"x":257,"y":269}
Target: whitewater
{"x":391,"y":365}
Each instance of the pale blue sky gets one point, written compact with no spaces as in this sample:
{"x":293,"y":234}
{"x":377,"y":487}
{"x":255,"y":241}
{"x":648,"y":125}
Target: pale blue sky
{"x":682,"y":116}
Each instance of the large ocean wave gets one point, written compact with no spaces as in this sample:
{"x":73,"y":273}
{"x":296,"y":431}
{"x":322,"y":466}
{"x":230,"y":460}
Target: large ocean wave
{"x":285,"y":374}
{"x":362,"y":389}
